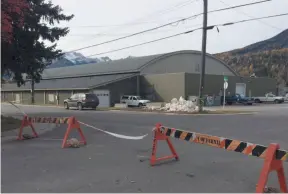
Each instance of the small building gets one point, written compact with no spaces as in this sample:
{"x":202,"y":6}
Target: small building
{"x":157,"y":77}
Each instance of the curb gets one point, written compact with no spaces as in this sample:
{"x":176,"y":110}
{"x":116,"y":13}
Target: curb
{"x":51,"y":106}
{"x":165,"y":113}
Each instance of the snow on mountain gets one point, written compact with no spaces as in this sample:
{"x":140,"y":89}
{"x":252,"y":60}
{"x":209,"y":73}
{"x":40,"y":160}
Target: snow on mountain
{"x":74,"y":58}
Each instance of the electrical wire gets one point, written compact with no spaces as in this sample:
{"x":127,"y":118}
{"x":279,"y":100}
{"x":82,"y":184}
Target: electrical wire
{"x":190,"y":31}
{"x":170,"y":23}
{"x":143,"y":43}
{"x":177,"y":6}
{"x":154,"y":14}
{"x":243,"y":13}
{"x":252,"y":19}
{"x":126,"y":34}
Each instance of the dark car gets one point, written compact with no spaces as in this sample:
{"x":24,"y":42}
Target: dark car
{"x":237,"y":99}
{"x":82,"y":100}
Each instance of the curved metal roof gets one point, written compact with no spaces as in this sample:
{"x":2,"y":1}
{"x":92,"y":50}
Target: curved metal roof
{"x":162,"y":56}
{"x":128,"y":65}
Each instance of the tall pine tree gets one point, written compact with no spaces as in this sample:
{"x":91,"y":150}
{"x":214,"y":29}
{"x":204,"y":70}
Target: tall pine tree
{"x":26,"y":53}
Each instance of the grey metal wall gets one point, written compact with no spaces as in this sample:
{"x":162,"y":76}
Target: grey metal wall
{"x":214,"y":83}
{"x":186,"y":62}
{"x":26,"y":97}
{"x":260,"y":86}
{"x":39,"y":97}
{"x":80,"y":91}
{"x":64,"y":94}
{"x":6,"y":96}
{"x":117,"y":89}
{"x":163,"y":87}
{"x":10,"y":96}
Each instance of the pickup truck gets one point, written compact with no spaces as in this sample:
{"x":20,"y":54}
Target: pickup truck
{"x":269,"y":98}
{"x":237,"y":99}
{"x":133,"y":100}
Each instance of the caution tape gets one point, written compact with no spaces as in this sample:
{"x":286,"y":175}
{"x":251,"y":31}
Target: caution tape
{"x":56,"y":120}
{"x":11,"y":102}
{"x":64,"y":120}
{"x":224,"y":143}
{"x":115,"y":134}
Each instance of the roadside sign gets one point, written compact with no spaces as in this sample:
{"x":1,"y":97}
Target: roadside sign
{"x":225,"y":85}
{"x":225,"y":78}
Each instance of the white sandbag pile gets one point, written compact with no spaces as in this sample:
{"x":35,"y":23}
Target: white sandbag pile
{"x":180,"y":105}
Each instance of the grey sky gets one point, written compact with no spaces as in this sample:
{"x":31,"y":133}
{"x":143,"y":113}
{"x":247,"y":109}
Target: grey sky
{"x":113,"y":12}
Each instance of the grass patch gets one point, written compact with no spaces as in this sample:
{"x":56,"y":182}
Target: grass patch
{"x":9,"y":123}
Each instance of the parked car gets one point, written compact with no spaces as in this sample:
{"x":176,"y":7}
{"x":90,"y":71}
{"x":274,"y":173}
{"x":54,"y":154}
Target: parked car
{"x":269,"y":98}
{"x":286,"y":97}
{"x":133,"y":100}
{"x":237,"y":99}
{"x":82,"y":100}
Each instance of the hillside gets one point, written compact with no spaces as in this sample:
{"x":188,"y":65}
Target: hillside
{"x":268,"y":58}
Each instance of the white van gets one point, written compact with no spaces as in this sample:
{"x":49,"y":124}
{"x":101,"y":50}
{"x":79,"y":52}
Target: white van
{"x":133,"y":100}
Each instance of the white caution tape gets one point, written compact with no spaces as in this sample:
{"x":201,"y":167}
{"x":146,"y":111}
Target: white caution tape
{"x":11,"y":102}
{"x":115,"y":134}
{"x":107,"y":132}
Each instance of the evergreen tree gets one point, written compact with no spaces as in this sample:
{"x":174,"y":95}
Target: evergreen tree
{"x":26,"y":53}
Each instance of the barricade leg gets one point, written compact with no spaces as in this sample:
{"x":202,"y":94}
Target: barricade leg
{"x":271,"y":164}
{"x":73,"y":124}
{"x":159,"y":136}
{"x":25,"y":123}
{"x":83,"y":141}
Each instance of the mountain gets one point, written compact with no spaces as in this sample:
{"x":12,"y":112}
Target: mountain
{"x":74,"y":58}
{"x":268,"y":58}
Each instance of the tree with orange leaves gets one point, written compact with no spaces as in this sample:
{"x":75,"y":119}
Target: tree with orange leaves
{"x":12,"y":13}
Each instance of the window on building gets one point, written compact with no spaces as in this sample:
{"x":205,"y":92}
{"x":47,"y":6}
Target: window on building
{"x":17,"y":98}
{"x":51,"y":97}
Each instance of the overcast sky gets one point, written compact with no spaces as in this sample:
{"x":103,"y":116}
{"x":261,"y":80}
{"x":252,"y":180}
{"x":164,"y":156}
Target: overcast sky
{"x":95,"y":21}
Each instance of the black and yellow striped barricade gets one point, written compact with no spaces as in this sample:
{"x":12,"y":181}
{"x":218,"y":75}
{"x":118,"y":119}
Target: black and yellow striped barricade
{"x":272,"y":154}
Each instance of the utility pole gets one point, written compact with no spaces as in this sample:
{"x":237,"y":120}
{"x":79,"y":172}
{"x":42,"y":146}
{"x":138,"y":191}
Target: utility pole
{"x":32,"y":90}
{"x":203,"y":60}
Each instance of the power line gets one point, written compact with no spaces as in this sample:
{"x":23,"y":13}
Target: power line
{"x":143,"y":43}
{"x":177,"y":6}
{"x":113,"y":25}
{"x":127,"y":33}
{"x":252,"y":19}
{"x":154,"y":14}
{"x":190,"y":31}
{"x":243,"y":13}
{"x":170,"y":23}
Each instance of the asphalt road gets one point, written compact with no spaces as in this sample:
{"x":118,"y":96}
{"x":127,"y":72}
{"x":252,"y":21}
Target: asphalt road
{"x":109,"y":164}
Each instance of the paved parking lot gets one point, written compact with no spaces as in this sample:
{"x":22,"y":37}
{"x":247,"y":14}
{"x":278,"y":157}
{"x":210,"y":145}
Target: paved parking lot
{"x":109,"y":164}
